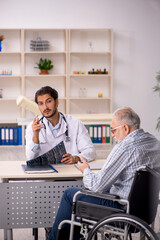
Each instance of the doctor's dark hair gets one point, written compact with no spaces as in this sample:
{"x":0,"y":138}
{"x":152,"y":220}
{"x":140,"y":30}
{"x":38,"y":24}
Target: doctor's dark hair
{"x":127,"y":116}
{"x":46,"y":90}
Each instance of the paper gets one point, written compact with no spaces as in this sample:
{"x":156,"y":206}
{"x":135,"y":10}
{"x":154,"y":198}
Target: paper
{"x":93,"y":165}
{"x":53,"y":156}
{"x":37,"y":169}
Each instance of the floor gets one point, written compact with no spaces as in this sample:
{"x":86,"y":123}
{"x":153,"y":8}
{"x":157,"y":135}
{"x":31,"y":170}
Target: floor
{"x":18,"y":153}
{"x":25,"y":234}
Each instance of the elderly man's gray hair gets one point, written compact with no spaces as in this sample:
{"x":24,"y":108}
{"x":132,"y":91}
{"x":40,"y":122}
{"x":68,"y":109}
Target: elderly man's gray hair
{"x":127,"y":116}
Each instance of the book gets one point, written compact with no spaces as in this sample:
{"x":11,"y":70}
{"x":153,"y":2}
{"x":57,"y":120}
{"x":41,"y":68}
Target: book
{"x":90,"y":130}
{"x":53,"y":156}
{"x":38,"y":169}
{"x":108,"y":134}
{"x":103,"y":133}
{"x":95,"y":134}
{"x":11,"y":135}
{"x":99,"y":134}
{"x":3,"y":136}
{"x":19,"y":135}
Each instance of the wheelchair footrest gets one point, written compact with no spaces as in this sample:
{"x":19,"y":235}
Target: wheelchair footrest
{"x":94,"y":211}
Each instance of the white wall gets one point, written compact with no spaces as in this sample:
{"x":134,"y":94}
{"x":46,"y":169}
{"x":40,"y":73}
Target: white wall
{"x":136,"y":24}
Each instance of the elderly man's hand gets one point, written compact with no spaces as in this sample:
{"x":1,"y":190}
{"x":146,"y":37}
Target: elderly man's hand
{"x":83,"y":164}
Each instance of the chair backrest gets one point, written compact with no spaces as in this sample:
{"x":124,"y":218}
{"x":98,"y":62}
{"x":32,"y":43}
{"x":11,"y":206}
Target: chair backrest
{"x":144,"y":194}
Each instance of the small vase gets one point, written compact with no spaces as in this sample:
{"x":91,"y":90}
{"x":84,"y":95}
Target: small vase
{"x":0,"y":46}
{"x":43,"y":71}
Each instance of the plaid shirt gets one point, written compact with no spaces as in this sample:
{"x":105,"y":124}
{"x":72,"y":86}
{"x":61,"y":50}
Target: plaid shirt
{"x":135,"y":150}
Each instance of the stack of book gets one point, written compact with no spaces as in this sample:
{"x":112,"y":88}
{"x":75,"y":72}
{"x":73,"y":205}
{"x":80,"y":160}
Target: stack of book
{"x":100,"y":133}
{"x":11,"y":135}
{"x":39,"y":45}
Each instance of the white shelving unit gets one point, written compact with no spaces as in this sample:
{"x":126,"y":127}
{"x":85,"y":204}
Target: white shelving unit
{"x":70,"y":50}
{"x":90,"y":49}
{"x":10,"y":59}
{"x":57,"y":53}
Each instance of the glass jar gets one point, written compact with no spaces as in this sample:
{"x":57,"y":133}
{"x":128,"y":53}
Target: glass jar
{"x":1,"y":92}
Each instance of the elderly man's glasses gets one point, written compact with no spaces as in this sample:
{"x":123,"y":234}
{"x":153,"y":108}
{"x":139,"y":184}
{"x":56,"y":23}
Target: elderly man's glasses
{"x":114,"y":129}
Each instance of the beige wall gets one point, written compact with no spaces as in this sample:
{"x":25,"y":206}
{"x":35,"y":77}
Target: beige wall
{"x":137,"y":41}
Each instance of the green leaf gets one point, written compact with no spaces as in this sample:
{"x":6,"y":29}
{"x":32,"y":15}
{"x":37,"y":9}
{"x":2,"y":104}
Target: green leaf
{"x":156,"y":88}
{"x":44,"y":64}
{"x":158,"y":124}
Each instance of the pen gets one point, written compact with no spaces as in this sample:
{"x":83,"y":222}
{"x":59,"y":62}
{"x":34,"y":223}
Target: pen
{"x":53,"y":169}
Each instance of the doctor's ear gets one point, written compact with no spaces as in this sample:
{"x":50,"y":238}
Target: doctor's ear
{"x":57,"y":102}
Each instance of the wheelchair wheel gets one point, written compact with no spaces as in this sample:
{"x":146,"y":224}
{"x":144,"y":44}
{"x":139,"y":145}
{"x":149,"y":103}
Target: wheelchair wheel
{"x":122,"y":227}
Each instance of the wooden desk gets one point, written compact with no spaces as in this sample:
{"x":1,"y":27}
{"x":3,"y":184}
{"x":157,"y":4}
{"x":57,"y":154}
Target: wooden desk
{"x":12,"y":170}
{"x":28,"y":203}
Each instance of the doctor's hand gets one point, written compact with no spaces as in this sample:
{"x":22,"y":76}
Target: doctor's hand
{"x":36,"y":127}
{"x":83,"y":164}
{"x":69,"y":159}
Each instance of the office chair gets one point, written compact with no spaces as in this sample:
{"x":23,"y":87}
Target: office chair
{"x":131,"y":222}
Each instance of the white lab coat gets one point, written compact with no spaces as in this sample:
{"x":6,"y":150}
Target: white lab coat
{"x":79,"y":144}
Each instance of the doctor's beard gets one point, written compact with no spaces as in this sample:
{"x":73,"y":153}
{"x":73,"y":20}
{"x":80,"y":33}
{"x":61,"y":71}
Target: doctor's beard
{"x":51,"y":115}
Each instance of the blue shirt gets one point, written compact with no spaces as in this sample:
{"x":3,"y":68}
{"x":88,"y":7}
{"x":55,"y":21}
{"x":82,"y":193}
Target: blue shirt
{"x":55,"y":129}
{"x":137,"y":149}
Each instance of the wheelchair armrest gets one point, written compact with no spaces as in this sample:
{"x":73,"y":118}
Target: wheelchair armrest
{"x":107,"y":196}
{"x":100,"y":195}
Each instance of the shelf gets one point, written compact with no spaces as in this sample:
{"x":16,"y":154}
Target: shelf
{"x":69,"y":50}
{"x":10,"y":53}
{"x":89,"y":98}
{"x":90,"y":75}
{"x":95,"y":53}
{"x":45,"y":76}
{"x":99,"y":122}
{"x":7,"y":99}
{"x":60,"y":98}
{"x":11,"y":146}
{"x":43,"y":52}
{"x":10,"y":76}
{"x":56,"y":38}
{"x":8,"y":122}
{"x":58,"y":60}
{"x":94,"y":117}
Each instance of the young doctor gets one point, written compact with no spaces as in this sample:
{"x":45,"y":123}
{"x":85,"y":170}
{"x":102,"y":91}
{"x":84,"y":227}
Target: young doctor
{"x":52,"y":127}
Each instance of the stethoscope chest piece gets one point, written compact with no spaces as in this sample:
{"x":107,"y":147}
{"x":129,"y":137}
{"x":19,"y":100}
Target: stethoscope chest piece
{"x":68,"y":139}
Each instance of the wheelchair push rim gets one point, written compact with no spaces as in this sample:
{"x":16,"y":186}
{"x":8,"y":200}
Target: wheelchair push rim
{"x":121,"y":227}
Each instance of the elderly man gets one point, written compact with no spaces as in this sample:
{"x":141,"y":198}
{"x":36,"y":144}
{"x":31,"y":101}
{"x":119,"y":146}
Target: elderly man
{"x":135,"y":148}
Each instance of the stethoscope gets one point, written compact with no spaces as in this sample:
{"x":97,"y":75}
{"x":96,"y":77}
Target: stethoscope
{"x":67,"y":139}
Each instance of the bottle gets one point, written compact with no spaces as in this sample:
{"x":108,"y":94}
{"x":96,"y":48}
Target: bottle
{"x":80,"y":92}
{"x":90,"y":46}
{"x":1,"y":92}
{"x":84,"y":92}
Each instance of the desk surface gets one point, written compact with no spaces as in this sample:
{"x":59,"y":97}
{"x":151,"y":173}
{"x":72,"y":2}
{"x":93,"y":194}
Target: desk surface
{"x":13,"y":170}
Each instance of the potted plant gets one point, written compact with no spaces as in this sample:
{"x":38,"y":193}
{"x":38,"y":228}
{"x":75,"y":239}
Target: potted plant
{"x":44,"y":65}
{"x":157,"y":89}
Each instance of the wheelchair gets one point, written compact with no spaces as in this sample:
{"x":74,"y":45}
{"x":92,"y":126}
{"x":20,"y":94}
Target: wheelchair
{"x":99,"y":222}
